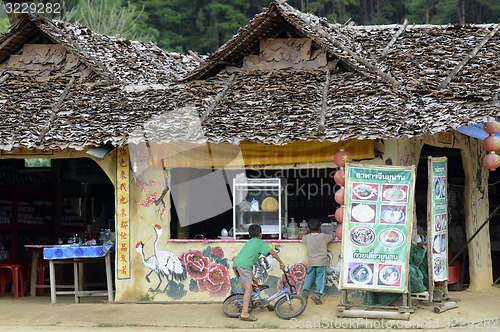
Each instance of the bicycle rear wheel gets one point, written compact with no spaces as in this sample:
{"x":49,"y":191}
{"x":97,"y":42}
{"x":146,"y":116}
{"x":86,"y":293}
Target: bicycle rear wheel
{"x":232,"y":305}
{"x":290,"y":310}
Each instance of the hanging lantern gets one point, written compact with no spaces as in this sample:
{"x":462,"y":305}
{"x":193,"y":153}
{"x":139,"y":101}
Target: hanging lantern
{"x":338,"y":232}
{"x":339,"y":177}
{"x":492,"y":161}
{"x":339,"y":214}
{"x":339,"y":196}
{"x":341,"y":157}
{"x":491,"y":143}
{"x":491,"y":127}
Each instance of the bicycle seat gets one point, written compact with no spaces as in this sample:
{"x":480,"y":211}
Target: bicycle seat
{"x":260,"y":287}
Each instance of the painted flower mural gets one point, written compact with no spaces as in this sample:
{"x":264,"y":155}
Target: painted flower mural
{"x":296,"y":276}
{"x":217,"y":282}
{"x":208,"y":270}
{"x":196,"y":264}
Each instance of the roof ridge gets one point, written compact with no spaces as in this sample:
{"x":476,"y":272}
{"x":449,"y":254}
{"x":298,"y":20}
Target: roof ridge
{"x":84,"y":56}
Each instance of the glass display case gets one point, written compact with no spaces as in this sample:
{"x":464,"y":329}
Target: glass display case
{"x":258,"y":201}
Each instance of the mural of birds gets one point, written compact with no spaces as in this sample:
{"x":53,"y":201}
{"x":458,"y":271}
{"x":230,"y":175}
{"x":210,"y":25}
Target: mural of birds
{"x":171,"y":265}
{"x":151,"y":263}
{"x":333,"y":271}
{"x":264,"y":265}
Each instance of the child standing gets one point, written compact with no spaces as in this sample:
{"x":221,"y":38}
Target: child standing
{"x":317,"y":259}
{"x":244,"y":262}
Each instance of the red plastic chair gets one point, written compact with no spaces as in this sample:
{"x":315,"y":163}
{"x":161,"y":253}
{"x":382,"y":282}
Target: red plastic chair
{"x":17,"y":279}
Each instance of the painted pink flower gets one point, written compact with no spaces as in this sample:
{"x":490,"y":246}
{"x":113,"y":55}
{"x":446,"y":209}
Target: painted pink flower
{"x":196,"y":264}
{"x":296,"y":276}
{"x":217,"y":283}
{"x":298,"y":272}
{"x":217,"y":251}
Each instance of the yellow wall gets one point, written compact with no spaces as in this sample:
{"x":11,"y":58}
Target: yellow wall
{"x":405,"y":151}
{"x":146,"y":210}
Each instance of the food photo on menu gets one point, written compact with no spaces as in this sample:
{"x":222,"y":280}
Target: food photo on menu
{"x":360,"y":273}
{"x":389,"y":275}
{"x":363,"y":213}
{"x":436,"y":244}
{"x":394,"y":193}
{"x":362,"y":236}
{"x":437,"y":222}
{"x":440,"y":222}
{"x":393,"y":214}
{"x":438,"y":265}
{"x":365,"y":191}
{"x":440,"y":187}
{"x":391,"y":238}
{"x":443,"y":242}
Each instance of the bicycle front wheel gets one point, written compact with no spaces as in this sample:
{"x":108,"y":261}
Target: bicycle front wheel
{"x":232,"y":305}
{"x":292,"y":309}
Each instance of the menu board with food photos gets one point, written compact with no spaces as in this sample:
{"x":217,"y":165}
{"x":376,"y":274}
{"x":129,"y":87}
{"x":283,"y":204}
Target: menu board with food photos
{"x":437,"y":234}
{"x":376,"y":229}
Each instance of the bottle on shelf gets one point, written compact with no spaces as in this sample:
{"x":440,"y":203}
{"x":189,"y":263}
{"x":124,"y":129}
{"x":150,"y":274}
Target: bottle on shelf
{"x":293,"y":229}
{"x":302,"y":228}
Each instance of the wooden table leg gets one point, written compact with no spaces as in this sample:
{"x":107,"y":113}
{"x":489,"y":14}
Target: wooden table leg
{"x":34,"y":271}
{"x":52,"y":274}
{"x":78,"y":278}
{"x":109,"y":280}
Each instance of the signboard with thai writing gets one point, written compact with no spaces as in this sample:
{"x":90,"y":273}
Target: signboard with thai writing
{"x":437,"y":230}
{"x":376,"y":232}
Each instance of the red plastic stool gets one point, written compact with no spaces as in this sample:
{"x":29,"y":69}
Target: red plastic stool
{"x":42,"y":267}
{"x":17,"y":279}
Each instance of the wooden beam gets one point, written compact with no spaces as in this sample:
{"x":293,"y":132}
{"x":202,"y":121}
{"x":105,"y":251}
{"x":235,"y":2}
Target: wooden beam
{"x":196,"y":57}
{"x":444,"y":83}
{"x":218,"y":98}
{"x":395,"y":37}
{"x":55,"y":109}
{"x":369,"y":66}
{"x":322,"y":114}
{"x":4,"y":78}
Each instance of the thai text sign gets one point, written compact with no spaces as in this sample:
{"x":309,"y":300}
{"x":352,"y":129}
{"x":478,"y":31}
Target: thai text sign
{"x":437,"y":236}
{"x":377,"y":227}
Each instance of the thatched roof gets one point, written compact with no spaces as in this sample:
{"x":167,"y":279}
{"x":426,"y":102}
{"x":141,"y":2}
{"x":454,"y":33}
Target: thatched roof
{"x":381,"y":82}
{"x":112,"y":58}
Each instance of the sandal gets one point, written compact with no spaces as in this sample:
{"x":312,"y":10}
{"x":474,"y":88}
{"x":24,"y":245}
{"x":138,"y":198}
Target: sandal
{"x":316,"y":299}
{"x":249,"y":318}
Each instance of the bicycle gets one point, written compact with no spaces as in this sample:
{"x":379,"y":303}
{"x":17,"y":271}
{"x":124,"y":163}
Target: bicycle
{"x":289,"y":304}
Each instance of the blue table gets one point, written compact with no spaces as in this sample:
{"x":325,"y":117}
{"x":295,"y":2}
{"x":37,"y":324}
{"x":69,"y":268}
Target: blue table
{"x":78,"y":255}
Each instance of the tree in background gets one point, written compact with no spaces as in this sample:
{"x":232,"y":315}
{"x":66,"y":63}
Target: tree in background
{"x":453,"y":11}
{"x":113,"y":17}
{"x":199,"y":25}
{"x":4,"y":22}
{"x":204,"y":25}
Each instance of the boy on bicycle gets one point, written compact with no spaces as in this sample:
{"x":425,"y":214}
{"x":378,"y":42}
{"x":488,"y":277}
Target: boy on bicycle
{"x":244,"y":262}
{"x":317,"y":259}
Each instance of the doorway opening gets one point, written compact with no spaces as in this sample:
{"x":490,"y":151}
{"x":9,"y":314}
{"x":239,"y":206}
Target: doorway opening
{"x":456,"y":213}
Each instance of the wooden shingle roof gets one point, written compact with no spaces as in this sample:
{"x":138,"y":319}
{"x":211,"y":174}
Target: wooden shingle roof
{"x":389,"y":82}
{"x":112,"y":58}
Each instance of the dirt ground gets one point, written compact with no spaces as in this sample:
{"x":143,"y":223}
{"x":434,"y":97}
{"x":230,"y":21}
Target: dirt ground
{"x":476,"y":310}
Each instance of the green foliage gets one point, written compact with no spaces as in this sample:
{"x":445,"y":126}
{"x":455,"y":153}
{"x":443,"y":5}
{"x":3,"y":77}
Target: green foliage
{"x":4,"y":22}
{"x":176,"y":290}
{"x":193,"y":286}
{"x":205,"y":25}
{"x":199,"y":25}
{"x":113,"y":17}
{"x":146,"y":297}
